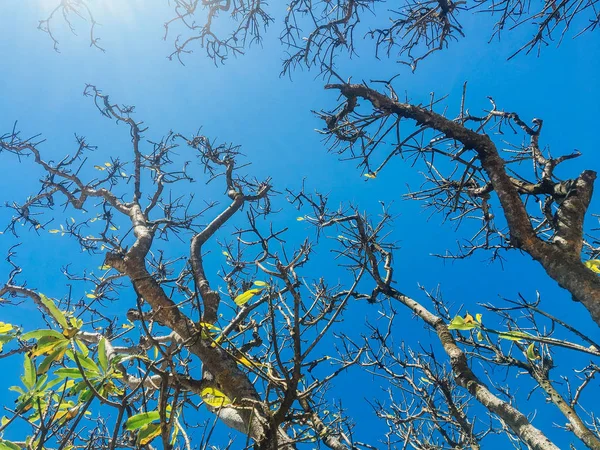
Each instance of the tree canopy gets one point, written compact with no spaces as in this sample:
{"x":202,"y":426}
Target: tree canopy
{"x":243,"y":260}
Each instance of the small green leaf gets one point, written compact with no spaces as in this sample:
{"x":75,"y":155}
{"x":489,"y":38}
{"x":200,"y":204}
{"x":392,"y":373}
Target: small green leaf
{"x":371,"y":175}
{"x":91,"y":368}
{"x":5,"y":327}
{"x":39,"y":334}
{"x":102,"y":355}
{"x":215,"y":398}
{"x":54,"y":311}
{"x":29,"y":376}
{"x":68,"y":372}
{"x":139,"y":420}
{"x":57,"y":354}
{"x":54,"y":231}
{"x":260,"y":283}
{"x":148,"y":433}
{"x":479,"y":336}
{"x":458,"y":323}
{"x":7,"y":445}
{"x":246,"y":296}
{"x":513,"y":335}
{"x":531,"y":353}
{"x":299,"y":219}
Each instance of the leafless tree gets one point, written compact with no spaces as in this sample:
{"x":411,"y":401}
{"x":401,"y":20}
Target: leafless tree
{"x":315,"y":33}
{"x":258,"y":352}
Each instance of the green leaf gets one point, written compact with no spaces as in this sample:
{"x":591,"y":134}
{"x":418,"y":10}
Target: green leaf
{"x":458,"y":323}
{"x":48,"y":345}
{"x":5,"y":327}
{"x":38,"y":334}
{"x":91,"y":368}
{"x":82,"y":348}
{"x":593,"y":265}
{"x":148,"y":433}
{"x":246,"y":296}
{"x":260,"y":283}
{"x":68,"y":372}
{"x":7,"y":445}
{"x":28,"y":377}
{"x":479,"y":336}
{"x":299,"y":219}
{"x":371,"y":175}
{"x":513,"y":335}
{"x":215,"y":398}
{"x":140,"y":420}
{"x":532,"y":354}
{"x":57,"y":354}
{"x":102,"y":355}
{"x":54,"y":311}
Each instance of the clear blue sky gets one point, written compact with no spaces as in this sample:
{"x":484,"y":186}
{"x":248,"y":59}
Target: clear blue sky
{"x":245,"y":102}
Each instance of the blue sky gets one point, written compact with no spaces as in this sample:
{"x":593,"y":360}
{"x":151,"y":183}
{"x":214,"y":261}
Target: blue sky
{"x":246,"y":102}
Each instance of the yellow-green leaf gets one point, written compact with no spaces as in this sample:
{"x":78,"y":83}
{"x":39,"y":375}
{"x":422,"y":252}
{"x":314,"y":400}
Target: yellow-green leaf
{"x":140,"y":420}
{"x":250,"y":363}
{"x":54,"y":311}
{"x":102,"y":360}
{"x":479,"y":336}
{"x":593,"y":265}
{"x":299,"y":219}
{"x":148,"y":433}
{"x":99,"y":168}
{"x":48,"y":346}
{"x":107,"y":164}
{"x":5,"y":327}
{"x":90,"y":295}
{"x":54,"y":231}
{"x":260,"y":283}
{"x":7,"y":445}
{"x":513,"y":335}
{"x":55,"y":355}
{"x":532,"y":353}
{"x":478,"y":317}
{"x":246,"y":296}
{"x":29,"y":376}
{"x":371,"y":175}
{"x":458,"y":323}
{"x":215,"y":398}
